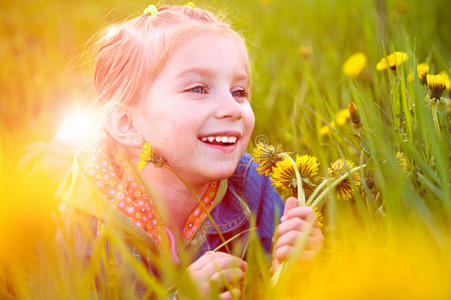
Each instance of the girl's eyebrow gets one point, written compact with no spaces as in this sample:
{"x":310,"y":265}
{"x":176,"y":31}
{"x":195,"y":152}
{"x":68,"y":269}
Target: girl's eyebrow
{"x":208,"y":73}
{"x":200,"y":71}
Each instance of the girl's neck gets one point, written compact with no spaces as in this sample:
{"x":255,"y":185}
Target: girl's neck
{"x":171,"y":197}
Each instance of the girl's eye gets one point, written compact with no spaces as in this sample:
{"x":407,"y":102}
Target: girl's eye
{"x":198,"y":89}
{"x":240,"y":93}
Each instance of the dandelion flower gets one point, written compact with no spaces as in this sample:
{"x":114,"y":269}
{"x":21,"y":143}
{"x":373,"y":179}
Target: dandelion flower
{"x":148,"y":156}
{"x":342,"y":116}
{"x":284,"y":176}
{"x":267,"y":157}
{"x":392,"y":61}
{"x":437,"y":84}
{"x":422,"y":71}
{"x":344,"y":188}
{"x":305,"y":52}
{"x":326,"y":128}
{"x":410,"y":77}
{"x":319,"y":217}
{"x":354,"y":65}
{"x":190,"y":4}
{"x":448,"y":83}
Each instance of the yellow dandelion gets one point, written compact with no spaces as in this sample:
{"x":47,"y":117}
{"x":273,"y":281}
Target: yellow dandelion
{"x":305,"y":52}
{"x":344,"y":188}
{"x":410,"y":77}
{"x":267,"y":157}
{"x":448,"y":83}
{"x":342,"y":116}
{"x":284,"y":176}
{"x":354,"y":65}
{"x":392,"y":61}
{"x":402,"y":159}
{"x":436,"y":85}
{"x":190,"y":4}
{"x":319,"y":217}
{"x":422,"y":71}
{"x":148,"y":156}
{"x":326,"y":128}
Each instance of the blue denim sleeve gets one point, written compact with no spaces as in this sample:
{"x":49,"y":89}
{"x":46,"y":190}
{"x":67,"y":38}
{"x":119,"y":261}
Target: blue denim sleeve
{"x":264,"y":201}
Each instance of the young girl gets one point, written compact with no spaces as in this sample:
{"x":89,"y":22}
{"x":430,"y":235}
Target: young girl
{"x":179,"y":79}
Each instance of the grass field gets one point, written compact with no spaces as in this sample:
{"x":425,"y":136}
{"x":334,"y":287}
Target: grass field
{"x":390,"y":240}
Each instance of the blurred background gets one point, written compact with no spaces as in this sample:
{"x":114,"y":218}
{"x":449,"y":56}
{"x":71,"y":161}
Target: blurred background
{"x":297,"y":49}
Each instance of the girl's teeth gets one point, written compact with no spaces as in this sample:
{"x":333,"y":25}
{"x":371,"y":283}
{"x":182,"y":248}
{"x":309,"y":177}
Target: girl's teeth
{"x":231,"y":139}
{"x":219,"y":139}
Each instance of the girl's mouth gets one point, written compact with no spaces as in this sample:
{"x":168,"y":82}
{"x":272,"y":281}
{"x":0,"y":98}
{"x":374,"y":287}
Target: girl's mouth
{"x":225,"y":141}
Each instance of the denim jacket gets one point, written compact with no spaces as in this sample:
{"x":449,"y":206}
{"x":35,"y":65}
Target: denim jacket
{"x":247,"y":193}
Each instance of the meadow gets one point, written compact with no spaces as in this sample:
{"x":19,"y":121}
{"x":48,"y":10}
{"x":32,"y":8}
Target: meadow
{"x":351,"y":83}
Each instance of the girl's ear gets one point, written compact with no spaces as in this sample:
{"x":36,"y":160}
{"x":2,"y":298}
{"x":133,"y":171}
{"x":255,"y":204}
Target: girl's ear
{"x":121,"y":126}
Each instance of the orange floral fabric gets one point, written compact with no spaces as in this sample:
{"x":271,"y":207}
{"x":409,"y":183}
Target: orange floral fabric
{"x":118,"y":182}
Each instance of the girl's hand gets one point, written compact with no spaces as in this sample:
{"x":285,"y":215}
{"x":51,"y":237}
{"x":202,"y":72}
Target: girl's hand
{"x":291,"y":228}
{"x":218,"y":268}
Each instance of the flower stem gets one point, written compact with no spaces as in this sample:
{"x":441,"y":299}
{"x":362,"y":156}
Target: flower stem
{"x":296,"y":252}
{"x":300,"y":188}
{"x":435,"y":119}
{"x":333,"y":185}
{"x":317,"y":190}
{"x":203,"y":207}
{"x":301,"y":199}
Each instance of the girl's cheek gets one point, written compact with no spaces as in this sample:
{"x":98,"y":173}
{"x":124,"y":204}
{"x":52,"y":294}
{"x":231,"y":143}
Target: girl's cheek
{"x":251,"y":119}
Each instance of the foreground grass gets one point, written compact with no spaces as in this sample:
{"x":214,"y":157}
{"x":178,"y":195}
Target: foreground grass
{"x":391,"y":240}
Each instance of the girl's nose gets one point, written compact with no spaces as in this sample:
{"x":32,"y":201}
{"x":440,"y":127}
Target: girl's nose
{"x":228,"y":107}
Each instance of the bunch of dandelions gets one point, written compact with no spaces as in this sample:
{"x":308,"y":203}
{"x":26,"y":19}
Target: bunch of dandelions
{"x":150,"y":156}
{"x":298,"y":176}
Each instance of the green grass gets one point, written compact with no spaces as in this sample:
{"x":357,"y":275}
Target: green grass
{"x":47,"y":67}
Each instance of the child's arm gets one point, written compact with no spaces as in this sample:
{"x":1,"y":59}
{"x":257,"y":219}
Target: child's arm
{"x":291,"y":228}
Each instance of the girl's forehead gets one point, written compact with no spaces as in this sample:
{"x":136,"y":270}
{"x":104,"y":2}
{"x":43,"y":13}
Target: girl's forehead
{"x":206,"y":53}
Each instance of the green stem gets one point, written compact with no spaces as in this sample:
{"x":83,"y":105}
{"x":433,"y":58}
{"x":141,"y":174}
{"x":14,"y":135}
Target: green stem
{"x":435,"y":119}
{"x":299,"y":245}
{"x":203,"y":207}
{"x":301,"y":199}
{"x":233,"y":238}
{"x":317,"y":190}
{"x":333,"y":185}
{"x":300,"y":188}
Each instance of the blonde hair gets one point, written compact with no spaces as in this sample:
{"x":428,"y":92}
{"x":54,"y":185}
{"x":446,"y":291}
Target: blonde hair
{"x":132,"y":54}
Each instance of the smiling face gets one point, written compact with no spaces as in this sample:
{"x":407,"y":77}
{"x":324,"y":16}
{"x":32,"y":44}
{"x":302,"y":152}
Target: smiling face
{"x":196,"y":113}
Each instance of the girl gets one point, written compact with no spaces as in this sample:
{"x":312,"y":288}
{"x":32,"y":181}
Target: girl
{"x":179,"y":79}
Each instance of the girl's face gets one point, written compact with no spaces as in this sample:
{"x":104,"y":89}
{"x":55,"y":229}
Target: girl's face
{"x":196,"y":114}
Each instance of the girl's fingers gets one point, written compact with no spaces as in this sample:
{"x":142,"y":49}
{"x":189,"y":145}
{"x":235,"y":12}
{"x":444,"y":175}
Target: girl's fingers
{"x":292,"y":224}
{"x":290,"y":203}
{"x":288,"y":239}
{"x":229,"y":275}
{"x":221,"y":263}
{"x":303,"y":212}
{"x":284,"y":252}
{"x":206,"y":258}
{"x":313,"y":242}
{"x":228,"y":295}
